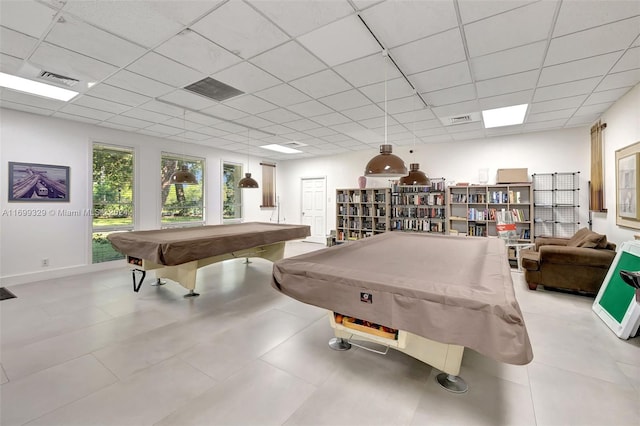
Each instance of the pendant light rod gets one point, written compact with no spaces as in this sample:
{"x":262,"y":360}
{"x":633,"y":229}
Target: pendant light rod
{"x":393,"y":61}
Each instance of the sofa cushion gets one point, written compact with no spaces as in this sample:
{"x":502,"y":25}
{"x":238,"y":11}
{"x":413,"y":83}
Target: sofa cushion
{"x":530,"y":260}
{"x":578,"y":237}
{"x":593,"y":240}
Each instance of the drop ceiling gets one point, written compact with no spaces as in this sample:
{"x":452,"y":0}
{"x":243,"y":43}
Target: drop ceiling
{"x":313,"y":71}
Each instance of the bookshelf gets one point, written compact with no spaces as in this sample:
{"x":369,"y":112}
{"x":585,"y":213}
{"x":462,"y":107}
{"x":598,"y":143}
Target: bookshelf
{"x":362,"y":213}
{"x":556,"y":203}
{"x":471,"y":210}
{"x":418,"y":208}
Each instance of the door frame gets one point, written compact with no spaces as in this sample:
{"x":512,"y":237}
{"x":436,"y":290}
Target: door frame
{"x":324,"y":204}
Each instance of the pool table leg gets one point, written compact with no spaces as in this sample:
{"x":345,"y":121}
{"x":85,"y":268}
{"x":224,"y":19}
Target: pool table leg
{"x":452,"y":383}
{"x":339,"y":344}
{"x":191,"y":294}
{"x":137,"y":285}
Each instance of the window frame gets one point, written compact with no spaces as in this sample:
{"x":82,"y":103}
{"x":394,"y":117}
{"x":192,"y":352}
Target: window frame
{"x":236,"y":190}
{"x":181,"y":158}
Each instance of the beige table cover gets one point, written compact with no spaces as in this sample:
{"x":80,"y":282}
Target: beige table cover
{"x":455,"y":290}
{"x":176,"y":246}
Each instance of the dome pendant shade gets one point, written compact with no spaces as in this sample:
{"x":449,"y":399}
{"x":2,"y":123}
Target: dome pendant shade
{"x":415,"y":176}
{"x":385,"y":164}
{"x":183,"y":176}
{"x":247,"y":182}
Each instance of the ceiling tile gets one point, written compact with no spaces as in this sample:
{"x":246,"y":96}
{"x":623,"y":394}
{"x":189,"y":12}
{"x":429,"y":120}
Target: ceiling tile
{"x":16,"y":44}
{"x":441,"y":78}
{"x":606,"y":96}
{"x":364,"y":112}
{"x":163,"y":108}
{"x":224,"y":112}
{"x":517,"y":27}
{"x":143,"y":114}
{"x":594,"y":109}
{"x":136,"y":83}
{"x":10,"y":64}
{"x":240,"y":29}
{"x":620,"y":79}
{"x":117,"y":126}
{"x":428,"y":53}
{"x":309,"y":108}
{"x":86,"y":112}
{"x":101,"y":104}
{"x":212,"y":132}
{"x":28,"y":17}
{"x":456,"y":109}
{"x":193,"y":50}
{"x":165,"y":70}
{"x":565,"y":90}
{"x":74,"y":117}
{"x":545,"y":125}
{"x":414,"y":117}
{"x":378,"y":122}
{"x":31,"y":100}
{"x":145,"y":22}
{"x":195,"y":136}
{"x":331,"y":119}
{"x":111,"y":93}
{"x":297,"y":18}
{"x":129,"y":121}
{"x":551,"y":115}
{"x":203,"y":119}
{"x":398,"y":88}
{"x":283,"y":95}
{"x":557,"y":104}
{"x":451,"y":95}
{"x":630,"y":60}
{"x":71,"y":64}
{"x":279,"y":116}
{"x":578,"y":70}
{"x":510,"y":61}
{"x":188,"y":100}
{"x":253,"y":121}
{"x":321,"y":84}
{"x":288,"y":62}
{"x":90,"y":41}
{"x":579,"y":120}
{"x":246,"y":77}
{"x":369,"y":70}
{"x":397,"y":106}
{"x":507,"y":84}
{"x":340,"y":41}
{"x":230,"y":127}
{"x":398,"y":22}
{"x":345,"y":100}
{"x":184,"y":124}
{"x":473,"y":10}
{"x":320,"y":132}
{"x":579,"y":15}
{"x":302,"y":125}
{"x":165,"y":130}
{"x":250,"y":104}
{"x":592,"y":42}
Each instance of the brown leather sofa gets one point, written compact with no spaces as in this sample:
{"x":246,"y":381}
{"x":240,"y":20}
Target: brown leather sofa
{"x":579,"y":263}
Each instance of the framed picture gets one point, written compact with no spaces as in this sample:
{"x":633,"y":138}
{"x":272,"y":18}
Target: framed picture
{"x":628,"y":186}
{"x":31,"y":182}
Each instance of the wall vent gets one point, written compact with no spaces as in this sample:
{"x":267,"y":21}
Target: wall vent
{"x":57,"y":78}
{"x":453,"y":120}
{"x":213,"y":89}
{"x":293,"y":144}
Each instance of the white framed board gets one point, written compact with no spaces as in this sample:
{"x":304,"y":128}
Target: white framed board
{"x":616,"y":302}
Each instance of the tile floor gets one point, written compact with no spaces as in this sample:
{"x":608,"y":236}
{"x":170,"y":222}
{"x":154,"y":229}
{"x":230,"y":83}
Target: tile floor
{"x":86,"y":350}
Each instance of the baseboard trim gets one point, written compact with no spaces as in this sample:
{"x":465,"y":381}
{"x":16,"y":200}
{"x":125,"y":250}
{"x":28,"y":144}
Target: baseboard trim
{"x":30,"y":277}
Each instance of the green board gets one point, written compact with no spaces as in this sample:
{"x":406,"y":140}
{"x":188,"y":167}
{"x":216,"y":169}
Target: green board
{"x":618,"y":294}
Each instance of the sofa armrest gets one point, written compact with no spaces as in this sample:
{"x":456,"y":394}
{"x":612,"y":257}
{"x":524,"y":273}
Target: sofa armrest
{"x":578,"y":256}
{"x":550,"y":241}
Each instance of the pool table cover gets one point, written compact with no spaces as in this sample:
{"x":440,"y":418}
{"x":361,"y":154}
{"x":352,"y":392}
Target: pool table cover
{"x":175,"y":246}
{"x":451,"y":289}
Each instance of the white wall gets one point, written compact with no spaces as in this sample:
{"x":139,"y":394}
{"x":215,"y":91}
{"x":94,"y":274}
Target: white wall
{"x":623,"y":128}
{"x":564,"y":150}
{"x":65,"y":240}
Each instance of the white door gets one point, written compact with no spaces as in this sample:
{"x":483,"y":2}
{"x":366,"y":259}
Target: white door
{"x":314,"y":206}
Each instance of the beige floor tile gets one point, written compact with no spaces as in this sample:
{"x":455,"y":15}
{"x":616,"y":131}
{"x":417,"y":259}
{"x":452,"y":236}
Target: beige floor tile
{"x":563,"y":397}
{"x":478,"y":362}
{"x":40,"y":393}
{"x":258,"y":395}
{"x":3,"y":377}
{"x":142,"y":399}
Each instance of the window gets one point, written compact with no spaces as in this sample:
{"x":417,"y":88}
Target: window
{"x":181,"y":204}
{"x":231,"y":194}
{"x":268,"y":185}
{"x":112,"y":198}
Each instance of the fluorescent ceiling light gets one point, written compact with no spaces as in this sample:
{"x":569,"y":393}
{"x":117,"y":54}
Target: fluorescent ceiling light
{"x":35,"y":88}
{"x":280,"y":148}
{"x":507,"y":116}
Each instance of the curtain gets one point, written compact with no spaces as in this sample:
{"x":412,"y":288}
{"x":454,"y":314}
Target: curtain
{"x":268,"y":185}
{"x":596,"y":196}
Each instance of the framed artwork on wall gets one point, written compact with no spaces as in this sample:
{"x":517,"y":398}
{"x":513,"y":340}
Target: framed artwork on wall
{"x":31,"y":182}
{"x":628,"y":186}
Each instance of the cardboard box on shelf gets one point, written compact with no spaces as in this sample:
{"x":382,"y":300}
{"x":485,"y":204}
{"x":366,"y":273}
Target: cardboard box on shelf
{"x":512,"y":176}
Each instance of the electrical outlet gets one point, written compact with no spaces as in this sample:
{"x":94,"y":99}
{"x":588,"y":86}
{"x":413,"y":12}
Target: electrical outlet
{"x":45,"y":262}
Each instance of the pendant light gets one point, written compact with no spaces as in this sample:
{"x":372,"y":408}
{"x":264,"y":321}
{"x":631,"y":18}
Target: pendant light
{"x":415,"y":176}
{"x":247,"y":182}
{"x":183,"y":176}
{"x":385,"y":164}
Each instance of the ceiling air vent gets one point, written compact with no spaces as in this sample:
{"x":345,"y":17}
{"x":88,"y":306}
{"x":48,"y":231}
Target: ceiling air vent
{"x":453,"y":120}
{"x":57,"y":78}
{"x":293,"y":144}
{"x":213,"y":89}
